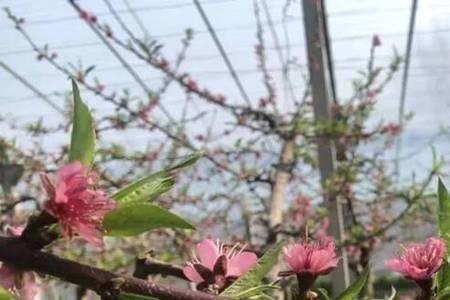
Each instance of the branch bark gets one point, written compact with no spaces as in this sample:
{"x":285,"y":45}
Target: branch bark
{"x":281,"y":181}
{"x":16,"y":252}
{"x":147,"y":266}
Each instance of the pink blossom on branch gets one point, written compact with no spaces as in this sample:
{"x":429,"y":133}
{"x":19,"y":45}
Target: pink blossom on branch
{"x":310,"y":259}
{"x":88,"y":17}
{"x":391,"y":128}
{"x":314,"y":257}
{"x":419,"y":261}
{"x":73,"y":200}
{"x":215,"y":264}
{"x":376,"y":41}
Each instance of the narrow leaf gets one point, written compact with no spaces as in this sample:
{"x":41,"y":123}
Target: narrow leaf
{"x":146,"y":188}
{"x":323,"y":294}
{"x":255,"y":275}
{"x":188,"y":161}
{"x":151,"y":186}
{"x":82,"y":144}
{"x":443,"y":277}
{"x":355,"y":288}
{"x":134,"y":218}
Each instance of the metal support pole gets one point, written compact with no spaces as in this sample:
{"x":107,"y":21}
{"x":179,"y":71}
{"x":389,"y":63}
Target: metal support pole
{"x":322,"y":93}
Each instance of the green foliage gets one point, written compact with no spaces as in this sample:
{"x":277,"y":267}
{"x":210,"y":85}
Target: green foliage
{"x":128,"y":296}
{"x":250,"y":285}
{"x":151,"y":186}
{"x":443,"y":293}
{"x":443,"y":277}
{"x":135,"y":215}
{"x":134,"y":218}
{"x":82,"y":144}
{"x":146,"y":188}
{"x":188,"y":161}
{"x":355,"y":288}
{"x":323,"y":294}
{"x":5,"y":295}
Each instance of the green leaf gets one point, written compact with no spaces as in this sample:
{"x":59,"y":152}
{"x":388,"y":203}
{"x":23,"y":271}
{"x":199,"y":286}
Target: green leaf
{"x":444,"y":293}
{"x":5,"y":295}
{"x":128,"y":296}
{"x":443,"y":277}
{"x":187,"y":161}
{"x":134,"y":218}
{"x":151,"y":186}
{"x":82,"y":144}
{"x":146,"y":188}
{"x":253,"y":278}
{"x":355,"y":288}
{"x":323,"y":294}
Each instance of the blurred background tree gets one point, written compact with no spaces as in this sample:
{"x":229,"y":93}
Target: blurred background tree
{"x":260,"y":178}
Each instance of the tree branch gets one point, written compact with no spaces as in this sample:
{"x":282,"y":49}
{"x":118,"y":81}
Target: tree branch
{"x":148,"y":266}
{"x":16,"y":252}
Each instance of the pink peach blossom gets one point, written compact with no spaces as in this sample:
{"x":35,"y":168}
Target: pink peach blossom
{"x":376,"y":41}
{"x":88,"y":17}
{"x":313,"y":258}
{"x":214,"y":264}
{"x":419,"y":261}
{"x":76,"y":204}
{"x":392,"y":128}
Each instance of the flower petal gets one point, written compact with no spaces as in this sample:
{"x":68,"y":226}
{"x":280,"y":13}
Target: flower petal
{"x":7,"y":276}
{"x":48,"y":185}
{"x":241,"y":263}
{"x":294,"y":256}
{"x":69,"y":170}
{"x":208,"y":253}
{"x":322,"y":261}
{"x":29,"y":288}
{"x":192,"y":274}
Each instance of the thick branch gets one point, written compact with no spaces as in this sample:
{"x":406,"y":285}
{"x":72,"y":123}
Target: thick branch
{"x":281,"y":181}
{"x":16,"y":252}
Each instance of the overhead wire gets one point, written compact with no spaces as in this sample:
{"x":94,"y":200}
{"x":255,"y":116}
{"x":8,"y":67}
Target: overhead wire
{"x":404,"y":85}
{"x":222,"y":52}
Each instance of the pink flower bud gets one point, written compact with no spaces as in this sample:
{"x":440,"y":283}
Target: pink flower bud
{"x":262,"y":103}
{"x":192,"y":85}
{"x":99,"y":88}
{"x":163,"y":64}
{"x":376,"y":41}
{"x":371,"y":94}
{"x":391,"y":128}
{"x":88,"y":17}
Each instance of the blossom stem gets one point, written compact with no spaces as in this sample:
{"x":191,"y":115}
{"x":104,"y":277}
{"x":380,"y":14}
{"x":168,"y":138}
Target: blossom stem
{"x":305,"y":282}
{"x":426,"y":287}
